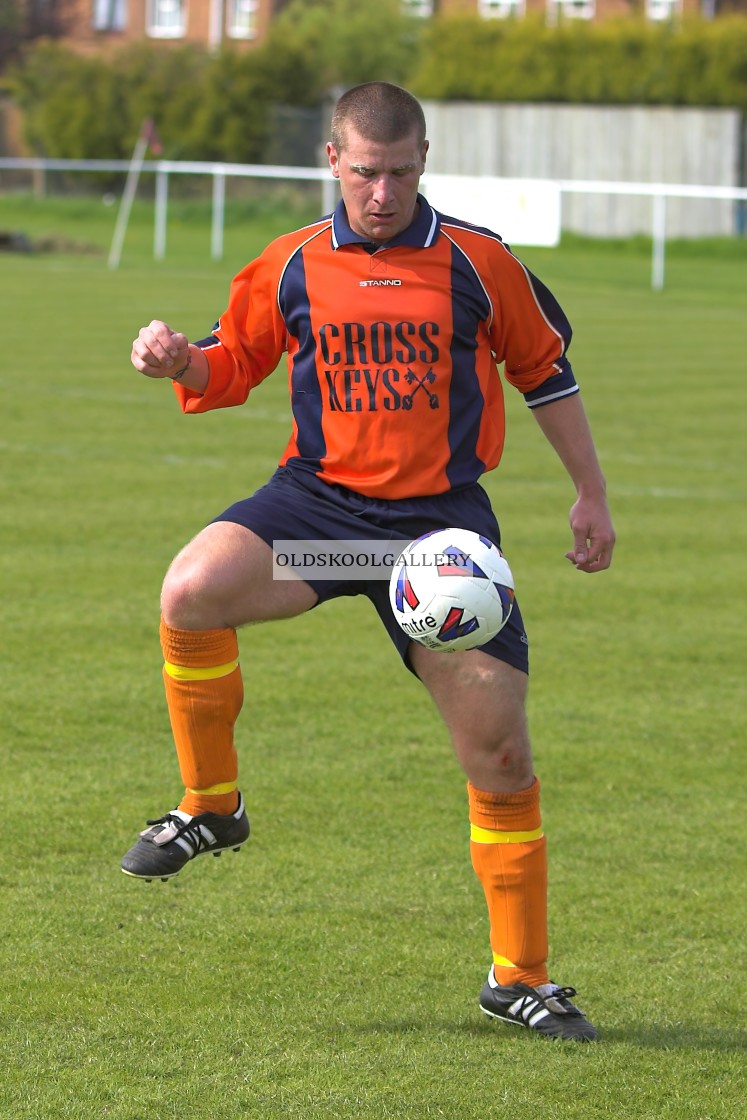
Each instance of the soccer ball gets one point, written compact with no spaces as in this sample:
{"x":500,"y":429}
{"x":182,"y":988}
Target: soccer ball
{"x":451,"y":590}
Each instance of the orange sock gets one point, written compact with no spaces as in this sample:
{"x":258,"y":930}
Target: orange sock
{"x":509,"y":857}
{"x":204,"y":693}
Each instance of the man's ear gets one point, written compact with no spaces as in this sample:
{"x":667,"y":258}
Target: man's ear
{"x":334,"y":159}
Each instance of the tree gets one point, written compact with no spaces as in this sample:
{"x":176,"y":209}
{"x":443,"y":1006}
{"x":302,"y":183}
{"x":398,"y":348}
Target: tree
{"x":23,"y":21}
{"x":347,"y":41}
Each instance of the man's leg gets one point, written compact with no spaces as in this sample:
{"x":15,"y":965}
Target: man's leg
{"x":482,"y":702}
{"x":224,"y":578}
{"x":220,"y":581}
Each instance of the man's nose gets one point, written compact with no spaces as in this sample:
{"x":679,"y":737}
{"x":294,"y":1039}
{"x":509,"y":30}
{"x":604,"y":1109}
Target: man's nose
{"x":383,"y":187}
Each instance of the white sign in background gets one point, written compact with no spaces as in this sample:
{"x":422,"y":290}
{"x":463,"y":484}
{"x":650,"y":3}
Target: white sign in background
{"x":521,"y":211}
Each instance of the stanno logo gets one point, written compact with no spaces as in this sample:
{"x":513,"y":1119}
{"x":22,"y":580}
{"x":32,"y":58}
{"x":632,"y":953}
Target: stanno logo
{"x":380,"y":283}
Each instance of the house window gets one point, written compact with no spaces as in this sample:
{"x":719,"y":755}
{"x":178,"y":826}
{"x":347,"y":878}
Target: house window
{"x":662,"y":9}
{"x":241,"y":19}
{"x":167,"y":19}
{"x":422,"y":8}
{"x":500,"y":9}
{"x":570,"y":9}
{"x":109,"y":15}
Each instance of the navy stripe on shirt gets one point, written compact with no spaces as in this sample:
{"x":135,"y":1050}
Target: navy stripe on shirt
{"x":305,"y":391}
{"x":470,"y":306}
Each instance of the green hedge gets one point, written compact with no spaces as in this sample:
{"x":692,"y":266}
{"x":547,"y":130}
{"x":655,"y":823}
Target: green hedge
{"x":216,"y":107}
{"x":92,"y":108}
{"x":208,"y":106}
{"x":621,"y":62}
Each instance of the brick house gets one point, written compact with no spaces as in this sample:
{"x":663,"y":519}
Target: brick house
{"x":93,"y":25}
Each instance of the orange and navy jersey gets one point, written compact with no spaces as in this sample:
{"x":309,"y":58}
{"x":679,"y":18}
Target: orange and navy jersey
{"x":392,"y":352}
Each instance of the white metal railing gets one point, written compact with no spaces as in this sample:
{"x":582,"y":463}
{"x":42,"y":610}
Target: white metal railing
{"x":658,"y":192}
{"x":162,"y":169}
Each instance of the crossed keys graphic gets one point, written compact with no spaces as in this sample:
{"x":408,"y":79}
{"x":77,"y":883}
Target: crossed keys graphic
{"x":422,"y":383}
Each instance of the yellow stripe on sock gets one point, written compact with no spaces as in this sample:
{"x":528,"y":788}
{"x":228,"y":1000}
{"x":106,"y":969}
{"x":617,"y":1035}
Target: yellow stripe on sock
{"x":211,"y":673}
{"x":491,"y":836}
{"x":502,"y":962}
{"x":221,"y":787}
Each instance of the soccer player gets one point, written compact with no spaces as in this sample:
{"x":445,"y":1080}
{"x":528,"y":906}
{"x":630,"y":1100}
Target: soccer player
{"x":384,"y":298}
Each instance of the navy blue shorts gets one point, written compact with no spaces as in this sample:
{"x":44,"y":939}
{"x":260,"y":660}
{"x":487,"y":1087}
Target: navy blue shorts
{"x":295,"y":505}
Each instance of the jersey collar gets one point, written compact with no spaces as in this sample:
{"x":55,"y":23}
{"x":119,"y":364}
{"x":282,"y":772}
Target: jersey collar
{"x":421,"y":232}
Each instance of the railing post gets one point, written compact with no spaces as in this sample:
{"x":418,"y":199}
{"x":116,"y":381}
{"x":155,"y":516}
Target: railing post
{"x":159,"y":228}
{"x":219,"y":211}
{"x":659,"y":241}
{"x":39,"y":178}
{"x":329,"y":195}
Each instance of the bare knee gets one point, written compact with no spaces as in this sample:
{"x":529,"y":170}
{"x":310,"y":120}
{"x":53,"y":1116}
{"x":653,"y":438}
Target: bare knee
{"x":501,"y":762}
{"x":205,"y":584}
{"x":224,"y":578}
{"x":493,"y":746}
{"x":186,"y":600}
{"x":482,"y":702}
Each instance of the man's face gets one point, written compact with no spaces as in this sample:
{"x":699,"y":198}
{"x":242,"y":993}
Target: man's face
{"x":379,"y":183}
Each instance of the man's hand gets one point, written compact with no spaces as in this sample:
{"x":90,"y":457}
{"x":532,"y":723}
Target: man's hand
{"x":566,"y":427}
{"x":593,"y":535}
{"x":158,"y":351}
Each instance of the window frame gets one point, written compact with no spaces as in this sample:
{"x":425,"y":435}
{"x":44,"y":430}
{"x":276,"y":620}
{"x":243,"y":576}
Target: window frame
{"x":501,"y":9}
{"x":419,"y":9}
{"x":109,"y":15}
{"x":159,"y":30}
{"x":659,"y":11}
{"x":573,"y":9}
{"x":235,"y":27}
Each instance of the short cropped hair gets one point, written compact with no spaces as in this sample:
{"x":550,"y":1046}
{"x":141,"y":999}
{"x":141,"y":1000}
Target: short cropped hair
{"x":378,"y":111}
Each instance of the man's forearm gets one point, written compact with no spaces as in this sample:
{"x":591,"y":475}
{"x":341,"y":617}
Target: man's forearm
{"x":566,"y":428}
{"x":197,"y":372}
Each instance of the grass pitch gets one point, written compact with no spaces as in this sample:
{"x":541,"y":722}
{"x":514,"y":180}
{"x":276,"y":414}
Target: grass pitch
{"x":332,"y":970}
